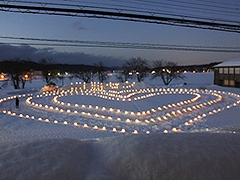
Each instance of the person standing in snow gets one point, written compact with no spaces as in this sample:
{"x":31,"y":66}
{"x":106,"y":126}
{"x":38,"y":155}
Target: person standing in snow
{"x":17,"y":102}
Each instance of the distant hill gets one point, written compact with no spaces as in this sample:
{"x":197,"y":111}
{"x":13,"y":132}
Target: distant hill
{"x":198,"y":68}
{"x":30,"y":65}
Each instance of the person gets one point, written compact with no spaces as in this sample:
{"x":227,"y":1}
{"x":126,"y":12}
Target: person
{"x":17,"y":102}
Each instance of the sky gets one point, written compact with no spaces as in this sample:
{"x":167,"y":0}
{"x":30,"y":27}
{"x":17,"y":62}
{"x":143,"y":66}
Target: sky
{"x":43,"y":26}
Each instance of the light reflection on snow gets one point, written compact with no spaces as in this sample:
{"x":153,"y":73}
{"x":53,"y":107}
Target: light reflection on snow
{"x":173,"y":117}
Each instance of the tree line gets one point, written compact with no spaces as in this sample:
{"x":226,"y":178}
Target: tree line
{"x":136,"y":68}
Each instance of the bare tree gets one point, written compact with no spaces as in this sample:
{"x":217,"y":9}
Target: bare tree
{"x":46,"y":66}
{"x":24,"y":78}
{"x":101,"y":72}
{"x":137,"y":65}
{"x":120,"y":77}
{"x":86,"y":76}
{"x":15,"y":70}
{"x":167,"y":71}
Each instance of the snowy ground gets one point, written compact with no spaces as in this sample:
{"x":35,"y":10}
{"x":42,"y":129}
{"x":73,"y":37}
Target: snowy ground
{"x":94,"y":111}
{"x":135,"y":111}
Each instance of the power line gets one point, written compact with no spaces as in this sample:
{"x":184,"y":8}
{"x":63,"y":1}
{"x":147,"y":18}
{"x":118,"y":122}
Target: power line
{"x":186,"y":6}
{"x":125,"y":7}
{"x":226,"y":3}
{"x":119,"y":45}
{"x":118,"y":15}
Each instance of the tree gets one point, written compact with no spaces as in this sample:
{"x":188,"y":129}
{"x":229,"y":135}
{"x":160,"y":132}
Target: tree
{"x":47,"y":72}
{"x":24,"y":78}
{"x":167,"y":71}
{"x":121,"y":77}
{"x":124,"y":75}
{"x":16,"y":72}
{"x":86,"y":76}
{"x":137,"y":65}
{"x":100,"y":70}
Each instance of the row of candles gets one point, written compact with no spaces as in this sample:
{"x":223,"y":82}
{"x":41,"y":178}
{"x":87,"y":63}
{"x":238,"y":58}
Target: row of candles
{"x":165,"y":117}
{"x":134,"y":114}
{"x":173,"y":113}
{"x":118,"y":111}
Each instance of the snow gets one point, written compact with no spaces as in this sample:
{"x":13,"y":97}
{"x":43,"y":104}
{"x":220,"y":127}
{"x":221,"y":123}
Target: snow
{"x":230,"y":63}
{"x":95,"y":135}
{"x":155,"y":156}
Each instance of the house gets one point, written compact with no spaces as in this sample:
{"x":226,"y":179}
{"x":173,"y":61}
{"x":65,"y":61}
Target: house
{"x":227,"y":73}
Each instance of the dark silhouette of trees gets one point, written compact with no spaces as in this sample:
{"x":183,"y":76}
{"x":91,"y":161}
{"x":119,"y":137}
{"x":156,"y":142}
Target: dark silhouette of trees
{"x":124,"y":75}
{"x":138,"y":66}
{"x":86,"y":76}
{"x":16,"y":69}
{"x":46,"y":65}
{"x":100,"y":71}
{"x":121,"y":77}
{"x":167,"y":71}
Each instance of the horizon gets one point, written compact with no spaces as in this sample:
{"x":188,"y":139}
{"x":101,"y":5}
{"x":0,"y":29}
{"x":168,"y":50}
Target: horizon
{"x":59,"y":63}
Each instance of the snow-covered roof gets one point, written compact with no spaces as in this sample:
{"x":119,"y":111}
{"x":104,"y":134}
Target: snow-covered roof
{"x":230,"y":63}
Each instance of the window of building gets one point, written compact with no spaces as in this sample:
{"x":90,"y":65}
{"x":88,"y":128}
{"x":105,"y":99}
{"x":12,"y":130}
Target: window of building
{"x":225,"y":70}
{"x":225,"y":83}
{"x":232,"y":83}
{"x":237,"y":70}
{"x":220,"y":70}
{"x":231,"y":70}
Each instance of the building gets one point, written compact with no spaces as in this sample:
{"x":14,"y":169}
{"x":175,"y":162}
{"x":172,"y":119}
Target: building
{"x":227,"y":73}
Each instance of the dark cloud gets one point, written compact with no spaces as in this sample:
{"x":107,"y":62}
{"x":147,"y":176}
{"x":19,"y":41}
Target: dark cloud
{"x":25,"y":52}
{"x":78,"y":25}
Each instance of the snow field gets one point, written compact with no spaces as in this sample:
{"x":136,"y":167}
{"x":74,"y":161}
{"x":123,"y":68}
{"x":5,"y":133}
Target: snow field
{"x":144,"y":157}
{"x":47,"y":136}
{"x":129,"y":108}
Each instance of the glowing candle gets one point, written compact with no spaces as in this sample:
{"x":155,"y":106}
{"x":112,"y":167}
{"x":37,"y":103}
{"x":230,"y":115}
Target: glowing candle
{"x":153,"y":120}
{"x":135,"y":132}
{"x":123,"y":131}
{"x":128,"y":120}
{"x":137,"y":121}
{"x":75,"y":124}
{"x":111,"y":109}
{"x":104,"y":128}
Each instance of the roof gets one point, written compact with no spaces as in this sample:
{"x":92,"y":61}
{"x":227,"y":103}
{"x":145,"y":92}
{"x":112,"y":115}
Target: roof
{"x":50,"y":84}
{"x":230,"y":63}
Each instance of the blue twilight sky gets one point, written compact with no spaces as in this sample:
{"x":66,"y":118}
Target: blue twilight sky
{"x":89,"y":29}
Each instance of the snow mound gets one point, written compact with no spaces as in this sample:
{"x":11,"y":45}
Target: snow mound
{"x":156,"y":156}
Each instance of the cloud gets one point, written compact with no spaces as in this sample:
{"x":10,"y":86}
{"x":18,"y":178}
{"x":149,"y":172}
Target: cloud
{"x":78,"y":25}
{"x":35,"y":54}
